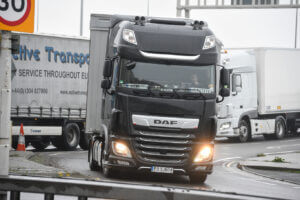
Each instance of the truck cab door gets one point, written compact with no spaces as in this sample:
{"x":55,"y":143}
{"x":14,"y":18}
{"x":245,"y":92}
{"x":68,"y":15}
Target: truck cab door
{"x":108,"y":101}
{"x":243,"y":86}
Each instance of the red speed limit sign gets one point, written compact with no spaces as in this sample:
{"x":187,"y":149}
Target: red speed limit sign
{"x":17,"y":15}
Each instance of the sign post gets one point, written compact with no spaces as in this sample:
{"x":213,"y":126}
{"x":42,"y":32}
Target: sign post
{"x":15,"y":15}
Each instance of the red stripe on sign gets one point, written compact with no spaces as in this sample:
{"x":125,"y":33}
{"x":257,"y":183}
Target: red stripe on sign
{"x":20,"y":21}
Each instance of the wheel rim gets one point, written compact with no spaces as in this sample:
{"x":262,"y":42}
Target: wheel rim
{"x":71,"y":137}
{"x":243,"y":132}
{"x":90,"y":155}
{"x":100,"y":155}
{"x":279,"y":129}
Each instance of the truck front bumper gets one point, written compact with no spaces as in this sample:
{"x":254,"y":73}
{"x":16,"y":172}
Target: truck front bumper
{"x":135,"y":163}
{"x":225,"y":128}
{"x":125,"y":164}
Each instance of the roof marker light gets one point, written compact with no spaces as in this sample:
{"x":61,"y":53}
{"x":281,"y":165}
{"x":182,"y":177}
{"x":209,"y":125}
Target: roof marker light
{"x":210,"y":42}
{"x":129,"y":36}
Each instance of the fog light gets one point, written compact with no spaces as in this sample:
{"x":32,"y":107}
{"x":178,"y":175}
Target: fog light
{"x":225,"y":125}
{"x":120,"y":149}
{"x":205,"y":154}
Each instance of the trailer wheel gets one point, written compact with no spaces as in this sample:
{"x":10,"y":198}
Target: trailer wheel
{"x":268,"y":136}
{"x":84,"y":141}
{"x":57,"y":142}
{"x":197,"y":178}
{"x":71,"y":136}
{"x":280,"y":129}
{"x":245,"y":131}
{"x":14,"y":142}
{"x":42,"y":144}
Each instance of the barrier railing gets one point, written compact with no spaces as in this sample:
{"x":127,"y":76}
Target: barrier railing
{"x":104,"y":189}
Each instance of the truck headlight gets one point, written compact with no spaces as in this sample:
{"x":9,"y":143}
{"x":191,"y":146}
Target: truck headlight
{"x":129,"y":36}
{"x":204,"y":154}
{"x":225,"y":126}
{"x":210,"y":42}
{"x":121,"y":149}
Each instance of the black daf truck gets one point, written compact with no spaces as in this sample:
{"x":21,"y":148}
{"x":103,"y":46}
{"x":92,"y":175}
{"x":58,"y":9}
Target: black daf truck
{"x":153,"y":84}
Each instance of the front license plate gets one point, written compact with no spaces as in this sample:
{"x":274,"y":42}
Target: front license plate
{"x":166,"y":170}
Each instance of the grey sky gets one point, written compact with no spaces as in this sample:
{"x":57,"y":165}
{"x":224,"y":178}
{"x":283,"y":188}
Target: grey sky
{"x":236,"y":28}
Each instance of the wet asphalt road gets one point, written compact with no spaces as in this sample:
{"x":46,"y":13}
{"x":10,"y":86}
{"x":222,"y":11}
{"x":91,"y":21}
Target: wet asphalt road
{"x":225,"y":178}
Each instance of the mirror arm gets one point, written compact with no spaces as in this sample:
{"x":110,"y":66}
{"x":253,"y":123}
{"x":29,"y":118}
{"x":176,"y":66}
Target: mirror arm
{"x":111,"y":92}
{"x":221,"y":65}
{"x":219,"y":101}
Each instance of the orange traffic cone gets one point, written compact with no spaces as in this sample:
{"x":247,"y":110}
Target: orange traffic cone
{"x":21,"y":140}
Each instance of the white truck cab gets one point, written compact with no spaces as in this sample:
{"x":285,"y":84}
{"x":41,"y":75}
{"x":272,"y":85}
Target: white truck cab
{"x":261,"y":100}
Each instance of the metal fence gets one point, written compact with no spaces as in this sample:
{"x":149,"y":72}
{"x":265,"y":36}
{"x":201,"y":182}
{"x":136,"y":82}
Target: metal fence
{"x":104,"y":189}
{"x":48,"y":112}
{"x":188,"y":5}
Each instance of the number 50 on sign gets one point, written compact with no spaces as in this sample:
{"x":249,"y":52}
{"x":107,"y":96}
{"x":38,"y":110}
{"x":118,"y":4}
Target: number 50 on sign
{"x":17,"y":15}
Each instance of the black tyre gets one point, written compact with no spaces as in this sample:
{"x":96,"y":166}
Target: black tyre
{"x":280,"y":128}
{"x":42,"y":144}
{"x":57,"y":142}
{"x":197,"y":178}
{"x":268,"y":136}
{"x":93,"y":164}
{"x":71,"y":136}
{"x":14,"y":142}
{"x":245,"y":131}
{"x":84,"y":141}
{"x":108,"y":172}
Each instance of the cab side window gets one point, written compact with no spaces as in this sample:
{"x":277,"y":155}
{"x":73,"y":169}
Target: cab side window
{"x":236,"y":83}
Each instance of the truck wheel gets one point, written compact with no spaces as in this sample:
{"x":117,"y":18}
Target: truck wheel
{"x":93,"y":164}
{"x":42,"y":144}
{"x":279,"y":128}
{"x":84,"y":141}
{"x":268,"y":136}
{"x":57,"y":142}
{"x":107,"y":171}
{"x":197,"y":178}
{"x":245,"y":132}
{"x":71,"y":136}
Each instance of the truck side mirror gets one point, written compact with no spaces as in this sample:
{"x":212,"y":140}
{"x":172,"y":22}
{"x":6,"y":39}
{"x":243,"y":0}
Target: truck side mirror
{"x":107,"y":71}
{"x":225,"y":77}
{"x":225,"y":92}
{"x":105,"y":84}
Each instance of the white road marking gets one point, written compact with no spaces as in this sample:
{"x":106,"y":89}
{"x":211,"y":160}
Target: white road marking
{"x":263,"y":182}
{"x":296,"y":187}
{"x":220,"y":160}
{"x":282,"y":146}
{"x":281,"y":152}
{"x":283,"y":141}
{"x":55,"y":154}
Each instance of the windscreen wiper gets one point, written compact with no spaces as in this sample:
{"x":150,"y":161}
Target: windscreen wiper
{"x":187,"y":94}
{"x":167,"y":94}
{"x":143,"y":92}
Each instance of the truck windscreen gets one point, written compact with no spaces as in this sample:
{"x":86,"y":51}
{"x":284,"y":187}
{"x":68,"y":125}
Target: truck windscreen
{"x":165,"y":77}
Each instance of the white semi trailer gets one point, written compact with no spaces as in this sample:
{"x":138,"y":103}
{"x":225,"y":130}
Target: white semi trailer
{"x":49,"y":83}
{"x":264,"y":94}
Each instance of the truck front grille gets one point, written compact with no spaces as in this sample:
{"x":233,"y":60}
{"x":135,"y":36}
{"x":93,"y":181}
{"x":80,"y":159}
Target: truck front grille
{"x":163,"y":147}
